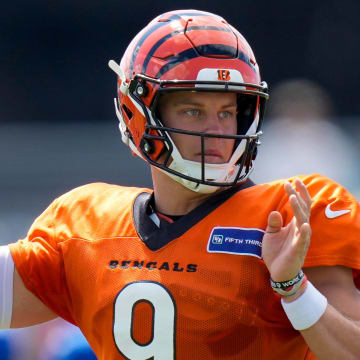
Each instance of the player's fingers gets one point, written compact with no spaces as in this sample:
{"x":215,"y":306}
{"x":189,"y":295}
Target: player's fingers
{"x":304,"y":239}
{"x":300,"y":201}
{"x":301,"y":215}
{"x":290,"y":189}
{"x":275,"y":222}
{"x":302,"y":190}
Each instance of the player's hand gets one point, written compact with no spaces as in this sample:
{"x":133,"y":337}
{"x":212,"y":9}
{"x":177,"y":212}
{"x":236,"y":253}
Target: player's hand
{"x":284,"y":248}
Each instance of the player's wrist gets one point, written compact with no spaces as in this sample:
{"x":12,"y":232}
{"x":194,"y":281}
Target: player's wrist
{"x":302,"y":302}
{"x":291,"y":287}
{"x":297,"y":293}
{"x":306,"y":309}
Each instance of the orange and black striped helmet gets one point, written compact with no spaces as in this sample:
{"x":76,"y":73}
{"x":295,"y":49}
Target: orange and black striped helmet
{"x":189,"y":50}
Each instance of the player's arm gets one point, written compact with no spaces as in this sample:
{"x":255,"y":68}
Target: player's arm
{"x":18,"y":306}
{"x":27,"y":310}
{"x":336,"y":334}
{"x":326,"y":310}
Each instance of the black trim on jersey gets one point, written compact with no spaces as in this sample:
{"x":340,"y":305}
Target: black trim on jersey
{"x":155,"y":237}
{"x":174,"y":33}
{"x":216,"y":51}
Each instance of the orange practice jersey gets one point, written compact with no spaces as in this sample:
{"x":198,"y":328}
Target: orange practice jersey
{"x":194,"y":289}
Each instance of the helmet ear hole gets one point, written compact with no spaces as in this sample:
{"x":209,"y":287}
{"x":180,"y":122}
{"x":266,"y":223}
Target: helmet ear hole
{"x":127,"y":111}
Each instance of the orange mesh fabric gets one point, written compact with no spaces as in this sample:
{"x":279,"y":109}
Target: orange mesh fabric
{"x":83,"y":258}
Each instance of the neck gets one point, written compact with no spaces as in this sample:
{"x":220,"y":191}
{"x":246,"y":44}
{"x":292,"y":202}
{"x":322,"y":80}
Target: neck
{"x":171,"y":197}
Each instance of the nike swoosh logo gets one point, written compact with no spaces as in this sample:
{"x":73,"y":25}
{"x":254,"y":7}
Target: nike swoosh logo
{"x":331,"y":214}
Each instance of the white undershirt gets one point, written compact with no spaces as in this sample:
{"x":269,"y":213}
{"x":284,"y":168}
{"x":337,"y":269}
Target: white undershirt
{"x":6,"y":286}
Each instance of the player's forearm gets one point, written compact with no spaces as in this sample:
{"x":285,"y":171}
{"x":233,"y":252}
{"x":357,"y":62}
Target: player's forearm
{"x":334,"y":336}
{"x":329,"y":333}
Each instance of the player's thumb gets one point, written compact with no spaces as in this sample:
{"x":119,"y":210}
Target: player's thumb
{"x":275,"y":222}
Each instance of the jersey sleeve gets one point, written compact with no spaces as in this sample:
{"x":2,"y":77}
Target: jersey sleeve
{"x":335,"y":224}
{"x":39,"y":261}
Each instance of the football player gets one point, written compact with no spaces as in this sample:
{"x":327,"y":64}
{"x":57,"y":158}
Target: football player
{"x":207,"y":265}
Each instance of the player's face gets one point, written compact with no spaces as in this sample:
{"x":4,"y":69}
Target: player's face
{"x":207,"y":112}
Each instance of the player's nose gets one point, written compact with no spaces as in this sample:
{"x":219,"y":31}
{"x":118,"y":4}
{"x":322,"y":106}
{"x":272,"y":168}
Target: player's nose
{"x":213,"y":123}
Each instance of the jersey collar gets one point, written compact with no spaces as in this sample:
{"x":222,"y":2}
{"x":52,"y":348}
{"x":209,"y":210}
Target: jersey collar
{"x":156,"y":237}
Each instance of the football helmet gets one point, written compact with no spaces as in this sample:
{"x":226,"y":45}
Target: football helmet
{"x":189,"y":50}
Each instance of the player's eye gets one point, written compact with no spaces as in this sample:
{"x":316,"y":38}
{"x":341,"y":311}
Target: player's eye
{"x":227,"y":114}
{"x":193,"y":112}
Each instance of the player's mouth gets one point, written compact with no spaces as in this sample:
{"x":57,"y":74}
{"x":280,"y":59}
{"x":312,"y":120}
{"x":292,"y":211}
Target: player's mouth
{"x":212,"y":157}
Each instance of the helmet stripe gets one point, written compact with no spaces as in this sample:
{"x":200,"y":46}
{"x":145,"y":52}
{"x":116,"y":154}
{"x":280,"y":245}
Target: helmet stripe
{"x":174,"y":33}
{"x":154,"y":28}
{"x":216,"y":49}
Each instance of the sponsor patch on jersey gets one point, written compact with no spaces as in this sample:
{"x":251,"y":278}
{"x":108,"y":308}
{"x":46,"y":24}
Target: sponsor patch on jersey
{"x":238,"y":241}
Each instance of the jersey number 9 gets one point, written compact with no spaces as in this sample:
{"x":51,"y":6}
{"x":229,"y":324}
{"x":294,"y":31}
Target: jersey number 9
{"x":162,"y":343}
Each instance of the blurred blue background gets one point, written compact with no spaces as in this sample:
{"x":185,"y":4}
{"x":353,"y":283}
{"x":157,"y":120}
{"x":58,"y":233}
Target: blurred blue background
{"x":58,"y":129}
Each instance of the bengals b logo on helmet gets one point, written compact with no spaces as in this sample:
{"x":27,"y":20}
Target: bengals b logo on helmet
{"x":224,"y":75}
